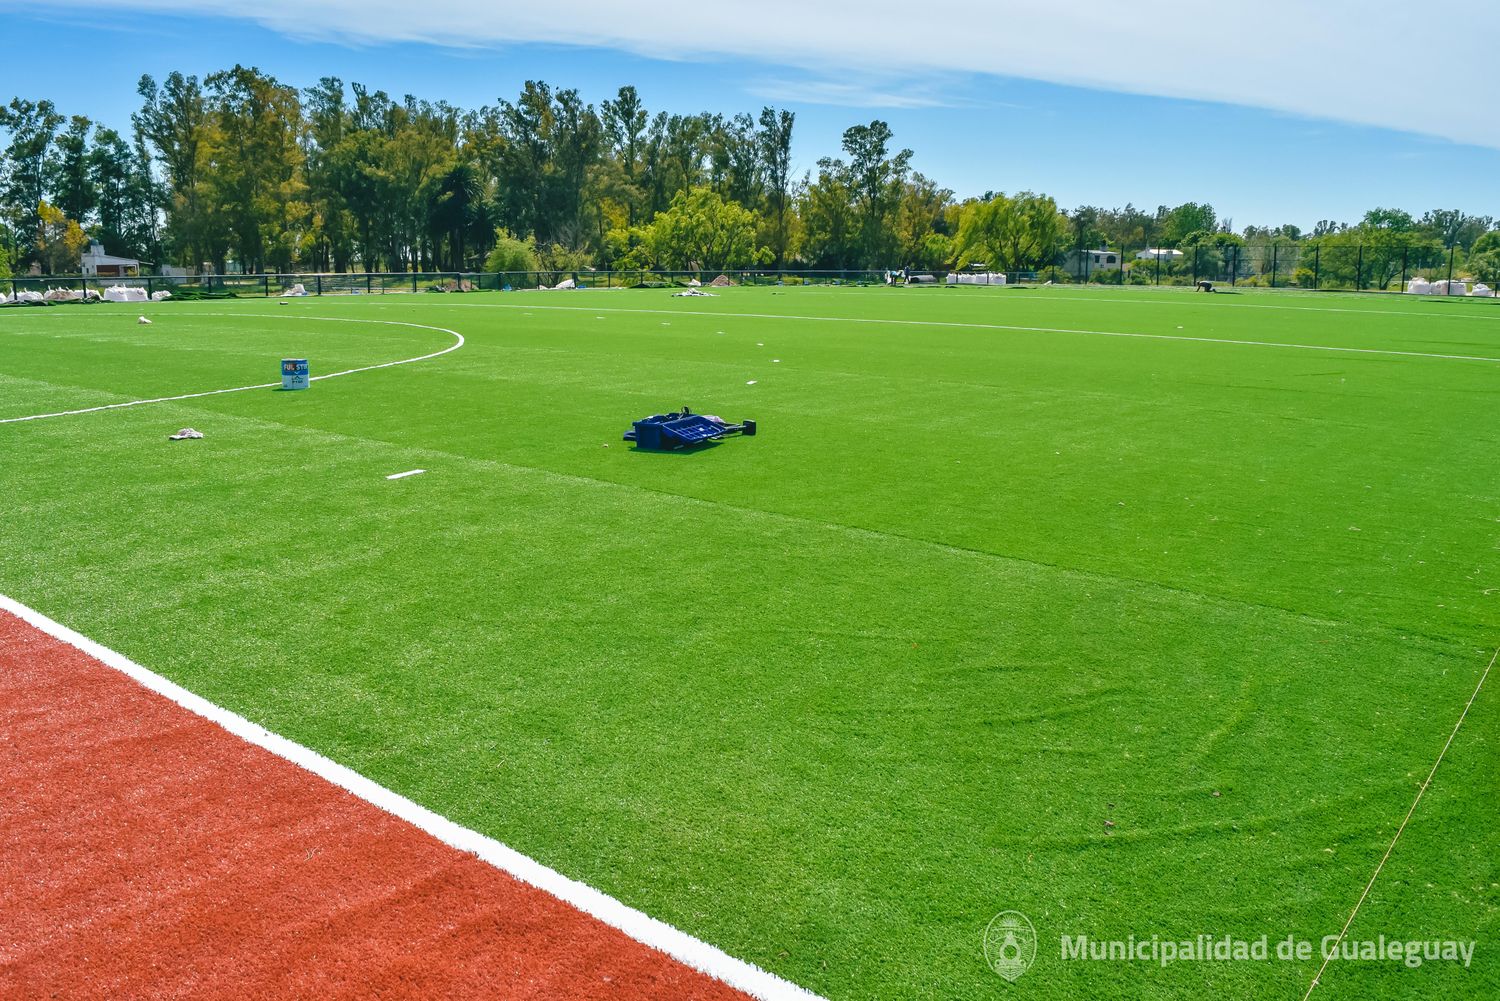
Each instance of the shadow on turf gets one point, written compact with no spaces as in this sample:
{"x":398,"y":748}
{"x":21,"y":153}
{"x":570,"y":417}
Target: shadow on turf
{"x":705,"y":447}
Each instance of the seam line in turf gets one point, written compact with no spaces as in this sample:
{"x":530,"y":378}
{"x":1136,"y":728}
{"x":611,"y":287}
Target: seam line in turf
{"x":1092,"y":574}
{"x":1329,"y":953}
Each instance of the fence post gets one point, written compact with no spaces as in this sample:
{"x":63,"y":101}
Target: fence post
{"x":413,"y":281}
{"x":1273,"y":265}
{"x":1450,"y":268}
{"x":1403,"y":269}
{"x":318,"y":283}
{"x":1157,"y":254}
{"x":1317,"y":266}
{"x":1359,"y":267}
{"x":1196,"y":249}
{"x":1234,"y":272}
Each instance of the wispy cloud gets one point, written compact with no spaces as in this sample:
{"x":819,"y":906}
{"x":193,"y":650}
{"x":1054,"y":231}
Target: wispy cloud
{"x":1347,"y":60}
{"x":847,"y":95}
{"x":870,"y":90}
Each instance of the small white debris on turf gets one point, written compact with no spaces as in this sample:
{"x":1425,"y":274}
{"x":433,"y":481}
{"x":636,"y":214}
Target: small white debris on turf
{"x":751,"y":382}
{"x":142,"y":319}
{"x":185,"y":433}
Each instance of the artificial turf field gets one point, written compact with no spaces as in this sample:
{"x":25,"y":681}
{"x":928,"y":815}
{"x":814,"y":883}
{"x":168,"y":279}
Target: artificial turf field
{"x":1137,"y":635}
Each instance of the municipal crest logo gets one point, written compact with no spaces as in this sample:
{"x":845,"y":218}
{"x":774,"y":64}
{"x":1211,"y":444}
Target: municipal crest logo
{"x":1010,"y":944}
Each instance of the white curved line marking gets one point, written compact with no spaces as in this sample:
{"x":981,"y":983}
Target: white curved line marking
{"x":458,"y":343}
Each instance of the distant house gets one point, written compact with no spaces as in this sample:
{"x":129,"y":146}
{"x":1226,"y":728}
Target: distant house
{"x":1154,"y":254}
{"x":98,"y":264}
{"x":1082,"y":263}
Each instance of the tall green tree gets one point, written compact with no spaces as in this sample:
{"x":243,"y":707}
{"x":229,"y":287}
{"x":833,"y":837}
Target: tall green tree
{"x":32,"y":126}
{"x":624,"y":121}
{"x":126,"y":196}
{"x":830,"y":221}
{"x":257,"y":184}
{"x":875,"y":176}
{"x":775,"y":137}
{"x":174,"y":123}
{"x":70,"y":183}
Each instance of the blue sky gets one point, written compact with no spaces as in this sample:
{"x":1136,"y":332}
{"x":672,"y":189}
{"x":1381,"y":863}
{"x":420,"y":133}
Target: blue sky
{"x":1270,"y":123}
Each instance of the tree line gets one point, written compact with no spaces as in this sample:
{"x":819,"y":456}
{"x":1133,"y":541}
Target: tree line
{"x":239,"y":171}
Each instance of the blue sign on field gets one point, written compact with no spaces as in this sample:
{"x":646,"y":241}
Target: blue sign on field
{"x":294,"y":373}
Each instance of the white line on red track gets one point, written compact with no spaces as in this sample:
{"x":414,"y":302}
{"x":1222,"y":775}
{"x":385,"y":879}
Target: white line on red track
{"x":643,"y":928}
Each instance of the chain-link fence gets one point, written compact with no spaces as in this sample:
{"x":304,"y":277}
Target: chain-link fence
{"x":393,"y":283}
{"x":1274,"y":265}
{"x":1358,"y":267}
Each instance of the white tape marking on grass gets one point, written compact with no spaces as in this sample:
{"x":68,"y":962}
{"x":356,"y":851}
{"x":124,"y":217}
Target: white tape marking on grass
{"x":409,"y":472}
{"x":458,"y":343}
{"x":640,"y":926}
{"x":1052,"y":296}
{"x":1330,"y":953}
{"x":1023,"y":329}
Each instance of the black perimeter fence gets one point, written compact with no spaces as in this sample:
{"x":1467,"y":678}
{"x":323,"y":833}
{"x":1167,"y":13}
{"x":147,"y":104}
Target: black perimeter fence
{"x":1341,"y":268}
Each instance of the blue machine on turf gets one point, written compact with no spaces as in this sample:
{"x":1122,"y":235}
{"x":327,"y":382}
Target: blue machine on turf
{"x":673,"y":432}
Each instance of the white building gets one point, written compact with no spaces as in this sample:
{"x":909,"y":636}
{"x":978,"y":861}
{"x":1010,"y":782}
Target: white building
{"x":1154,"y":254}
{"x":1082,"y":263}
{"x":98,"y":264}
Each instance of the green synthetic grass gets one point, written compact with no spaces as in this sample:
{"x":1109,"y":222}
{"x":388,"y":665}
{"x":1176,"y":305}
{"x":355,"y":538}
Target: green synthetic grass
{"x":833,"y":696}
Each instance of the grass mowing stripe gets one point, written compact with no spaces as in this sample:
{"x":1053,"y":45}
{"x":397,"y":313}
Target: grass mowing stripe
{"x":1331,"y":952}
{"x":1004,"y":326}
{"x":264,"y":385}
{"x":639,"y":926}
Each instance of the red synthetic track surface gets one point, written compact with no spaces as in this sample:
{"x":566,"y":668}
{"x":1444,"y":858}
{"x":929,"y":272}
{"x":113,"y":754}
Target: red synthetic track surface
{"x":147,"y":853}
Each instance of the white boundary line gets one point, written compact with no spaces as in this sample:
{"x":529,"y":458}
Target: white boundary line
{"x":1051,"y":295}
{"x":991,"y":326}
{"x":409,"y":472}
{"x":643,"y":928}
{"x":1318,"y":978}
{"x":458,"y":343}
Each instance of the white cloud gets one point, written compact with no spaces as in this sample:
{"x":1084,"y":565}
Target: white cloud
{"x":865,"y":90}
{"x":1373,"y":62}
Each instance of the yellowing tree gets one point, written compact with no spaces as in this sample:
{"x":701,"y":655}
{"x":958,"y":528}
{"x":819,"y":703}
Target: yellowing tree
{"x":59,"y":241}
